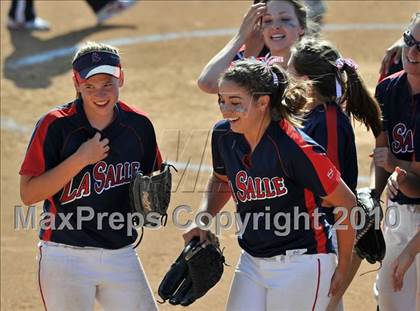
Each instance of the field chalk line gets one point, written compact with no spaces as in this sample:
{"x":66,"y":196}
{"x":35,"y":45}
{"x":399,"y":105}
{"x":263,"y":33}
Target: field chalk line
{"x":70,"y":50}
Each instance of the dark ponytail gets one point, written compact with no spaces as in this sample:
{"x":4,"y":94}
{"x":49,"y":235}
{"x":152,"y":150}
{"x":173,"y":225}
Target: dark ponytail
{"x":317,"y":59}
{"x":293,"y":98}
{"x":360,"y":103}
{"x":287,"y":97}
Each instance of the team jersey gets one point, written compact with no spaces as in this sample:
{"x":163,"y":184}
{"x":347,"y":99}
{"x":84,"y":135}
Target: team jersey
{"x":417,"y":140}
{"x":401,"y":112}
{"x":102,"y":186}
{"x":330,"y":127}
{"x":283,"y":175}
{"x":264,"y":53}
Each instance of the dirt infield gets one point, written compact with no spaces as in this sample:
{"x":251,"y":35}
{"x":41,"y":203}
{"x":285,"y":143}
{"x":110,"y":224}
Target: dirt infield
{"x":161,"y":80}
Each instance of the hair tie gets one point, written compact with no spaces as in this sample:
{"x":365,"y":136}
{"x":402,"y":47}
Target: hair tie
{"x":275,"y":78}
{"x":338,"y":89}
{"x":274,"y":60}
{"x":340,"y":63}
{"x":269,"y":62}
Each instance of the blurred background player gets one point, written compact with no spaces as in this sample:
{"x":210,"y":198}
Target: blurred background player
{"x":84,"y":154}
{"x":277,"y":25}
{"x":22,"y":13}
{"x":338,"y":93}
{"x":272,"y":168}
{"x":397,"y":145}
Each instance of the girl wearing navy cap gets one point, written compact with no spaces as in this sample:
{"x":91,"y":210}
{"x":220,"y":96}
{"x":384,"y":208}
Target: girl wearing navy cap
{"x":80,"y":161}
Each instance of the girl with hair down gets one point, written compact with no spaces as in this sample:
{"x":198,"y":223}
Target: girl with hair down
{"x":269,"y":28}
{"x":274,"y":171}
{"x":337,"y":93}
{"x":80,"y":161}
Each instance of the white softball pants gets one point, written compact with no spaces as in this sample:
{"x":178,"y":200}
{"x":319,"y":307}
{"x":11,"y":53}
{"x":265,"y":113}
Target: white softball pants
{"x":400,"y":226}
{"x":72,"y":278}
{"x":286,"y":282}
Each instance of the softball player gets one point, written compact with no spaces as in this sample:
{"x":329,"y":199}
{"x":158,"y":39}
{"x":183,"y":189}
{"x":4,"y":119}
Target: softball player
{"x":278,"y":24}
{"x":22,"y":13}
{"x":399,"y":96}
{"x":80,"y":160}
{"x":326,"y":122}
{"x":273,"y":170}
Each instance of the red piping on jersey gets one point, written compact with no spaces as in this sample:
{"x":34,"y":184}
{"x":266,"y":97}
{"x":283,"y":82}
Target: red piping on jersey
{"x":394,"y":75}
{"x":319,"y":233}
{"x":332,"y":144}
{"x":317,"y":284}
{"x":53,"y":210}
{"x":128,"y":108}
{"x":34,"y":163}
{"x":39,"y":277}
{"x":321,"y":165}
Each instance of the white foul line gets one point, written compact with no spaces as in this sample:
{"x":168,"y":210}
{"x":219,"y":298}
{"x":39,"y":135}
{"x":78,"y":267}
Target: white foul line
{"x":69,"y":50}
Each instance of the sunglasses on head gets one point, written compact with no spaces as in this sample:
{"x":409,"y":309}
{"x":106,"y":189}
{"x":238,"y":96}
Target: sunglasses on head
{"x":409,"y":40}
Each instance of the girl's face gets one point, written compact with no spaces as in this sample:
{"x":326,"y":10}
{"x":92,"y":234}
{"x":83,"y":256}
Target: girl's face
{"x":244,"y":112}
{"x":100,"y":93}
{"x":411,"y":54}
{"x":281,"y":28}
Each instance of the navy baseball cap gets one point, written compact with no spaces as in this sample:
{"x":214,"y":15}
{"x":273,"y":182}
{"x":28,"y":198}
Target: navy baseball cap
{"x":97,"y":62}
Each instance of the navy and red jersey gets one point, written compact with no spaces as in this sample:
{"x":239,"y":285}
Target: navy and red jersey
{"x":264,"y":53}
{"x":286,"y":171}
{"x":401,"y":112}
{"x":102,"y":186}
{"x":330,"y":127}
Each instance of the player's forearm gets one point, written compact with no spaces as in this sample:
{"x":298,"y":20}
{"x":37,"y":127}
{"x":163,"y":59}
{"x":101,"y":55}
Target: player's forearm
{"x":209,"y":77}
{"x":216,"y":196}
{"x":35,"y":189}
{"x":344,"y":199}
{"x":345,"y":238}
{"x":381,"y":177}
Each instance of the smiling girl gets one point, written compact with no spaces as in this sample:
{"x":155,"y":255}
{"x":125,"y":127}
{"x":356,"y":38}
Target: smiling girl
{"x":277,"y":23}
{"x":268,"y":165}
{"x":80,"y":161}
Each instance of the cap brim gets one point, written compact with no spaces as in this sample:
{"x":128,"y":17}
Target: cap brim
{"x":106,"y":69}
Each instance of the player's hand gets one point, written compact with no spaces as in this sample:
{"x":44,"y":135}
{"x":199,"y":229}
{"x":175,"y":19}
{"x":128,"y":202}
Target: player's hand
{"x":399,"y":267}
{"x":394,"y":181}
{"x":93,"y":150}
{"x":249,"y":24}
{"x":394,"y":51}
{"x":206,"y":236}
{"x":337,"y":281}
{"x":255,"y":42}
{"x":383,"y":157}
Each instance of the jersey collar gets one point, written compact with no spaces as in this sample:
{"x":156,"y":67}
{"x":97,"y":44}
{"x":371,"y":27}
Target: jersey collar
{"x":83,"y":121}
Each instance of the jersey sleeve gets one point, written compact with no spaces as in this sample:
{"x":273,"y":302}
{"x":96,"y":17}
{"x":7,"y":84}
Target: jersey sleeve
{"x":216,"y":141}
{"x":309,"y":166}
{"x":152,"y":159}
{"x":43,"y":152}
{"x":348,"y":156}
